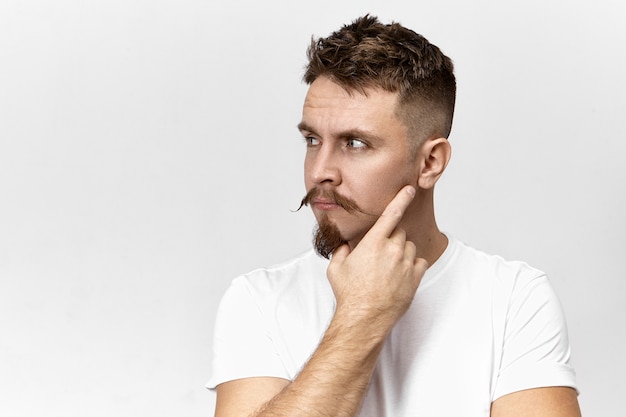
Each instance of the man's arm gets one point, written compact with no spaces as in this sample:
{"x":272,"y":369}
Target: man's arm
{"x":332,"y":383}
{"x":243,"y":397}
{"x":538,"y":402}
{"x":373,"y":286}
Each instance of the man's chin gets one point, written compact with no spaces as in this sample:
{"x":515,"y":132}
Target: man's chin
{"x":328,"y":237}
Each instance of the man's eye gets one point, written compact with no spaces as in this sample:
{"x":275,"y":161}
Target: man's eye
{"x":356,"y":143}
{"x":311,"y":141}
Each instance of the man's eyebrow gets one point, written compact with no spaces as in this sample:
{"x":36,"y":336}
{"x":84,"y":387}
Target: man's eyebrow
{"x":359,"y":134}
{"x":348,"y":134}
{"x":302,"y":126}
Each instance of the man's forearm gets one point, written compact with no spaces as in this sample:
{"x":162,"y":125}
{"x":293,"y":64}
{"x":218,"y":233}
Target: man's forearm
{"x":334,"y":381}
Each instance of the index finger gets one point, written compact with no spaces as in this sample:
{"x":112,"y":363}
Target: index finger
{"x":393,"y":213}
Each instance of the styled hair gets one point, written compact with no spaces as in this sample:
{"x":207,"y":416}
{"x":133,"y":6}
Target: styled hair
{"x":367,"y":54}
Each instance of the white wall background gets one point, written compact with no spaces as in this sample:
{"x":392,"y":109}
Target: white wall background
{"x":148,"y":154}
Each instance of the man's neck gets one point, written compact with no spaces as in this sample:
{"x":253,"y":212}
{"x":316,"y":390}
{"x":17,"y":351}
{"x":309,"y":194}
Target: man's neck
{"x":431,"y":247}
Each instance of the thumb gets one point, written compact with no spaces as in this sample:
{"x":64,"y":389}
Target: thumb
{"x":336,"y":261}
{"x":340,"y":254}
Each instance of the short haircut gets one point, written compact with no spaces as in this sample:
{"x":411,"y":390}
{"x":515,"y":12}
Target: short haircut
{"x":369,"y":54}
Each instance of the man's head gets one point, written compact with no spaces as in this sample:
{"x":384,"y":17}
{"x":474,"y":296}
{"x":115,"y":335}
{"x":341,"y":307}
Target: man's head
{"x":375,"y":118}
{"x":369,"y":54}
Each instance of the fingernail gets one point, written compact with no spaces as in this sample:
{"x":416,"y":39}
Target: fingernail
{"x":411,"y":191}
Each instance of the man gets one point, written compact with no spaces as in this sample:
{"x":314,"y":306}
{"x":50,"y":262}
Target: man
{"x":403,"y":320}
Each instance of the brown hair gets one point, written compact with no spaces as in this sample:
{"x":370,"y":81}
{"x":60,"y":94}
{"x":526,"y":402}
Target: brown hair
{"x":369,"y":54}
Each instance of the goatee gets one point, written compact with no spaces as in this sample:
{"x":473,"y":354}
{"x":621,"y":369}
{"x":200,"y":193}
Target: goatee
{"x":327,"y":238}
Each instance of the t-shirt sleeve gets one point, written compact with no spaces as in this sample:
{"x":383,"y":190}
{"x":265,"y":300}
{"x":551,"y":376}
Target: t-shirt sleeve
{"x":536,"y":351}
{"x":242,"y":344}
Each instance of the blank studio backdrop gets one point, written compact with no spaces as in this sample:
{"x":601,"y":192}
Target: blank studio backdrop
{"x":149,"y":154}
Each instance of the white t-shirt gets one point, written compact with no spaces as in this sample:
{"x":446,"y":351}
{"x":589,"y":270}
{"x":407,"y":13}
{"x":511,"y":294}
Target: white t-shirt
{"x":478,"y":328}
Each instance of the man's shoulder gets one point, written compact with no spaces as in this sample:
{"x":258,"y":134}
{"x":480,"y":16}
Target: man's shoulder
{"x":468,"y":258}
{"x":304,"y":270}
{"x":305,"y":262}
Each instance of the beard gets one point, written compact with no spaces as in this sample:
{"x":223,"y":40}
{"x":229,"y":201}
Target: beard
{"x":327,"y":238}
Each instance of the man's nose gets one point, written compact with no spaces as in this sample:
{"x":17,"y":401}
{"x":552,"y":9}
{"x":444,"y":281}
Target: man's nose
{"x":325,"y":166}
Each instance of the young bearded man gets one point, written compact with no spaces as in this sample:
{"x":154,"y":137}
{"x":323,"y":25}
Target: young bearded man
{"x":402,"y":320}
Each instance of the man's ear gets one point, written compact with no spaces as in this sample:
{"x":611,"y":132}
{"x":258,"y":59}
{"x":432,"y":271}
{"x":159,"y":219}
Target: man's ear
{"x":433,"y":156}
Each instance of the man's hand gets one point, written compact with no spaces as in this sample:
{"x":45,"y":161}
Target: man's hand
{"x":375,"y":283}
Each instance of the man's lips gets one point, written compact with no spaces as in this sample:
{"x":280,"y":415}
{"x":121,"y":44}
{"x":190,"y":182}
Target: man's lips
{"x":324,"y":204}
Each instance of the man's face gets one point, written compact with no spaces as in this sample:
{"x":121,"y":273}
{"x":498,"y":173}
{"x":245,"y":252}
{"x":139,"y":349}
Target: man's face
{"x":358,"y":148}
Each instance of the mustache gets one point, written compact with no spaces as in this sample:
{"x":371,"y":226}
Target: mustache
{"x":344,"y":202}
